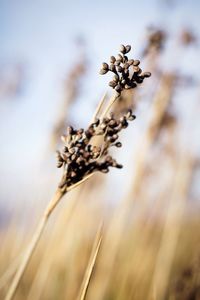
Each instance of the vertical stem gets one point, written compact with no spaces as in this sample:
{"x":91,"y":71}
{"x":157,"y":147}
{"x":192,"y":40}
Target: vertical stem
{"x":31,"y":247}
{"x":91,"y":264}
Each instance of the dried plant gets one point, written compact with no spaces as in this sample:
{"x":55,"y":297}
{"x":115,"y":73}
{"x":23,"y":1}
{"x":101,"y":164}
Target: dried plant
{"x":80,"y":158}
{"x":127,"y":73}
{"x":188,"y":37}
{"x":155,"y":41}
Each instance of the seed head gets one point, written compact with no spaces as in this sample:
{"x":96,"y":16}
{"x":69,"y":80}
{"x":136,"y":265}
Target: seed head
{"x":80,"y":157}
{"x":127,"y":73}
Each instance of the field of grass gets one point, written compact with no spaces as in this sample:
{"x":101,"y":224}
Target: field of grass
{"x":130,"y":236}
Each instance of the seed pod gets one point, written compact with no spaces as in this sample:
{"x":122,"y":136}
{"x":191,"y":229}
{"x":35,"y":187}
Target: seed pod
{"x":80,"y":131}
{"x":136,"y":62}
{"x":130,"y":62}
{"x":59,"y":164}
{"x":96,"y":122}
{"x":104,"y":170}
{"x":112,"y":84}
{"x":126,"y":65}
{"x":64,"y":157}
{"x":123,"y":81}
{"x":65,"y":149}
{"x":122,"y":49}
{"x":112,"y":123}
{"x":102,"y":72}
{"x":128,"y":48}
{"x":120,"y":57}
{"x":79,"y":160}
{"x":72,"y":150}
{"x":112,"y":68}
{"x":126,"y":72}
{"x":118,"y":144}
{"x":73,"y":157}
{"x":132,"y":117}
{"x":116,"y":78}
{"x":139,"y":80}
{"x":115,"y":137}
{"x":120,"y":69}
{"x":133,"y":85}
{"x":118,"y":88}
{"x":117,"y":63}
{"x":108,"y":139}
{"x":119,"y":166}
{"x":136,"y":69}
{"x":105,"y":120}
{"x":70,"y":130}
{"x":112,"y":59}
{"x":109,"y":158}
{"x":147,"y":74}
{"x":105,"y":66}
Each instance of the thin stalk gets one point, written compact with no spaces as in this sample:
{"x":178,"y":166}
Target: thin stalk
{"x":36,"y":237}
{"x":99,"y":107}
{"x":10,"y":271}
{"x":110,"y":104}
{"x":91,"y":264}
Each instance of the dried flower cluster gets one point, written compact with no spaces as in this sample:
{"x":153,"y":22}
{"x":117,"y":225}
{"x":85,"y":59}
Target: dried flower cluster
{"x":127,"y":73}
{"x":80,"y":157}
{"x":188,"y":37}
{"x":156,"y":40}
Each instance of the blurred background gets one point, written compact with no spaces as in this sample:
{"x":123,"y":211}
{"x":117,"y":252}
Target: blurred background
{"x":50,"y":56}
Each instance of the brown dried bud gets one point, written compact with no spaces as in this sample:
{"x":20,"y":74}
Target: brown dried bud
{"x":122,"y":49}
{"x":59,"y":164}
{"x":130,"y":62}
{"x":102,"y":72}
{"x":120,"y":69}
{"x":116,"y":78}
{"x":125,"y":78}
{"x":119,"y":58}
{"x":136,"y":69}
{"x":117,"y":63}
{"x":112,"y":59}
{"x":112,"y":84}
{"x":105,"y":66}
{"x":112,"y":68}
{"x":118,"y":88}
{"x":126,"y":65}
{"x":136,"y":62}
{"x":128,"y":48}
{"x":147,"y":74}
{"x":118,"y":144}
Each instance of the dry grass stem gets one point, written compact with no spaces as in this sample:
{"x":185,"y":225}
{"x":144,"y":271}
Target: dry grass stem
{"x":91,"y":263}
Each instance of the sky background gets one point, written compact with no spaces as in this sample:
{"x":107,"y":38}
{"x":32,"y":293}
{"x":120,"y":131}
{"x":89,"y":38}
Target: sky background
{"x":39,"y":37}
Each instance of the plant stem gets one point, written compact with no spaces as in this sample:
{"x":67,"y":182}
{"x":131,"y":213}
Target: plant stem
{"x":110,"y":104}
{"x":36,"y":237}
{"x":31,"y":247}
{"x":91,"y":264}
